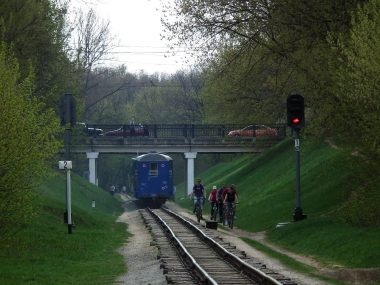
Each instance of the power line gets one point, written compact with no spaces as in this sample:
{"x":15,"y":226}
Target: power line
{"x":146,"y":63}
{"x":143,"y":52}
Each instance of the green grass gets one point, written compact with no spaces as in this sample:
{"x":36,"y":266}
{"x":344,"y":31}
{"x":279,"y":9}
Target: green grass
{"x":340,"y":245}
{"x":290,"y":262}
{"x":266,"y":188}
{"x":44,"y":252}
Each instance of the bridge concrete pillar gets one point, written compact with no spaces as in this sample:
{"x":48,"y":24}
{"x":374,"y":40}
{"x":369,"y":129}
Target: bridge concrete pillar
{"x":93,"y":176}
{"x":189,"y":171}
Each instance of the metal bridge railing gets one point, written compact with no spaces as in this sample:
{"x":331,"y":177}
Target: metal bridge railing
{"x":182,"y":130}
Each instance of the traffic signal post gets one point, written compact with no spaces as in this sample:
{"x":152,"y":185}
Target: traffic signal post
{"x":296,"y":120}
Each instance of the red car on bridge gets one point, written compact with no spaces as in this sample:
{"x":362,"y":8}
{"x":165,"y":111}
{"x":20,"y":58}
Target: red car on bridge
{"x":139,"y":131}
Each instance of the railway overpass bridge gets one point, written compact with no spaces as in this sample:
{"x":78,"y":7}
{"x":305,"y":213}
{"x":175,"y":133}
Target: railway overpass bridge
{"x":170,"y":139}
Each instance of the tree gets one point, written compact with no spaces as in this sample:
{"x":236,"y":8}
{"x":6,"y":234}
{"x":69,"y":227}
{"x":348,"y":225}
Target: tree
{"x":92,"y":41}
{"x":241,"y":94}
{"x":170,"y":100}
{"x":36,"y":33}
{"x":28,"y":139}
{"x":111,"y":89}
{"x":357,"y":86}
{"x":280,"y":45}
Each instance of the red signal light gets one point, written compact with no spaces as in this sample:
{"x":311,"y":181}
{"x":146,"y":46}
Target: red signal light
{"x":296,"y":121}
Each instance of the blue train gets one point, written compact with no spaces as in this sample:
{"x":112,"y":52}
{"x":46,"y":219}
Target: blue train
{"x":151,"y":178}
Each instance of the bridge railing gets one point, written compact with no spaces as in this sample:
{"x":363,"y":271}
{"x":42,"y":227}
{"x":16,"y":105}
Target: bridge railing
{"x":184,"y":130}
{"x":188,"y":130}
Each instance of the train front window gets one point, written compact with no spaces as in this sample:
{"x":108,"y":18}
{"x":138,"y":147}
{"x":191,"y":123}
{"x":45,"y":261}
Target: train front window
{"x":153,"y":169}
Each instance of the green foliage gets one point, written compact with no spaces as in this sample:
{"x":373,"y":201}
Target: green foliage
{"x":44,"y":252}
{"x":36,"y":33}
{"x":357,"y":118}
{"x":27,"y":141}
{"x":240,"y":93}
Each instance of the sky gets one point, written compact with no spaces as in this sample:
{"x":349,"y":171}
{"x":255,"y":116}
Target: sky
{"x":136,"y":24}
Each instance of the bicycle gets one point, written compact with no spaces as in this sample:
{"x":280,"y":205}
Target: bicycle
{"x":230,"y":208}
{"x":221,"y":212}
{"x":198,"y":208}
{"x":214,"y":211}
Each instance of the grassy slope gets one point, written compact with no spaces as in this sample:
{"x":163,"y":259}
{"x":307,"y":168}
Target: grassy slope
{"x":266,"y":187}
{"x":44,"y":253}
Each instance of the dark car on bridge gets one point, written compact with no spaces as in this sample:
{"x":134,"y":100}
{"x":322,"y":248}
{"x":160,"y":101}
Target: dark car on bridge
{"x":126,"y":131}
{"x":254,"y":131}
{"x":90,"y":131}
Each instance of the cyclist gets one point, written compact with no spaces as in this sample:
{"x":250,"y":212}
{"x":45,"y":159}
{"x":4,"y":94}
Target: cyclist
{"x":212,"y":199}
{"x":199,"y":193}
{"x":229,"y":198}
{"x":219,"y":197}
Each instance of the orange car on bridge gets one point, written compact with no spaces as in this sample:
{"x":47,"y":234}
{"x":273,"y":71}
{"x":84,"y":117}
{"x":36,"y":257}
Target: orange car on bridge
{"x":254,"y":131}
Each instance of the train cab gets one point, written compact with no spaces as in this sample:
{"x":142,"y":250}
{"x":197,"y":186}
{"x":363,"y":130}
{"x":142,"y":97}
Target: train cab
{"x":152,"y":177}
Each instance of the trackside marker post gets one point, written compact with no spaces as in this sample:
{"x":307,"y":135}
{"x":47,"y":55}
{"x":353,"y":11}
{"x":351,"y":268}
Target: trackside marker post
{"x":67,"y":165}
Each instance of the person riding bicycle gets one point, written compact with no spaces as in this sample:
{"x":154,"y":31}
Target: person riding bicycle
{"x":229,"y":198}
{"x":219,"y":197}
{"x":212,"y":199}
{"x":199,"y":194}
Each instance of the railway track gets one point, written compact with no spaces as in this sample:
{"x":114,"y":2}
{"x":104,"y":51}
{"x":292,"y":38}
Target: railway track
{"x":190,"y":253}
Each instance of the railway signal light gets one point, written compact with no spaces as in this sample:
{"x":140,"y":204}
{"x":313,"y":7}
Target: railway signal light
{"x":67,"y":109}
{"x":295,"y":111}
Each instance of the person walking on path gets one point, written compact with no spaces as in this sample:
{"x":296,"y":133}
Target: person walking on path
{"x":146,"y":129}
{"x":112,"y":190}
{"x":132,"y":127}
{"x":174,"y":190}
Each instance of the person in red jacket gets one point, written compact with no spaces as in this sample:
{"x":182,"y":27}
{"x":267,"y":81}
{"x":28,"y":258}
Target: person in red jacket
{"x":212,"y":199}
{"x":229,"y":198}
{"x":219,"y":197}
{"x":233,"y":187}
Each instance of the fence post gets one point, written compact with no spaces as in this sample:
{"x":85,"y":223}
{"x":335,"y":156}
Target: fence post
{"x":124,"y":130}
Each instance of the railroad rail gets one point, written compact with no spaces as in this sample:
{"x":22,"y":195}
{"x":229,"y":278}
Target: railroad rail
{"x":193,"y":254}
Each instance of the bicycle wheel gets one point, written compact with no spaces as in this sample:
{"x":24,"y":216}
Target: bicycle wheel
{"x":214,"y":214}
{"x":231,"y":220}
{"x":198,"y":213}
{"x":223,"y":218}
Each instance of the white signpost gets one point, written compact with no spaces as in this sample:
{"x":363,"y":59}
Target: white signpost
{"x":67,"y":165}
